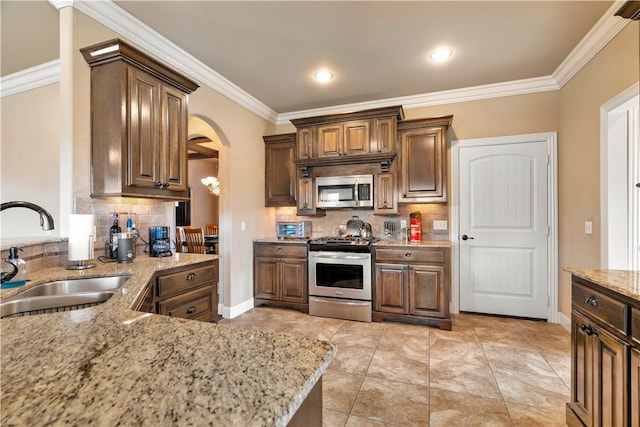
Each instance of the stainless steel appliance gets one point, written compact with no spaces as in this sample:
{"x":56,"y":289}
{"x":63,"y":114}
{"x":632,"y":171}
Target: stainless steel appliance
{"x":293,"y":229}
{"x":159,"y":242}
{"x":340,"y":278}
{"x":351,"y":191}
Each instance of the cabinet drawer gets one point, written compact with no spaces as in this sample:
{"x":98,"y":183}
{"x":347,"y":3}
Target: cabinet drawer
{"x":635,"y":325}
{"x":175,"y":283}
{"x":600,"y":306}
{"x":194,"y":304}
{"x":280,"y":251}
{"x":431,"y":256}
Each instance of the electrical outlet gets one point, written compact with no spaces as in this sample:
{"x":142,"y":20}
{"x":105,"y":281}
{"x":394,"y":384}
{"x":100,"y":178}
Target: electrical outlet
{"x":440,"y":225}
{"x":588,"y":227}
{"x":403,"y":223}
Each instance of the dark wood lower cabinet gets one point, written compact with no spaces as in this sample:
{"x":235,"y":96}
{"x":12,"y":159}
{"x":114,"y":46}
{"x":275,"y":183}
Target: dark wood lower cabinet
{"x":189,"y":292}
{"x":280,"y":275}
{"x":412,"y":285}
{"x":605,"y":366}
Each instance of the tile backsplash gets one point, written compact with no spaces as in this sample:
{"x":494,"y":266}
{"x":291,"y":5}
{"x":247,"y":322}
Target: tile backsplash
{"x":326,"y":225}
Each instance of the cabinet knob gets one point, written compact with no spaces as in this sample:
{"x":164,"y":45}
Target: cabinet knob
{"x":592,"y":300}
{"x":587,"y":329}
{"x":191,"y":310}
{"x":158,"y":184}
{"x":191,"y":276}
{"x":165,"y":185}
{"x":408,"y":254}
{"x":279,"y":249}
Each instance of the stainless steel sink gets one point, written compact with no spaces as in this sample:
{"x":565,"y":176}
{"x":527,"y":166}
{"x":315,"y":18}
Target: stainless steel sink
{"x":63,"y":295}
{"x":66,"y":287}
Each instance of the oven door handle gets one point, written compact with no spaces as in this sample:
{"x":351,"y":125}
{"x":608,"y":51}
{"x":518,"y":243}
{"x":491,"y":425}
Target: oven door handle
{"x":341,"y":256}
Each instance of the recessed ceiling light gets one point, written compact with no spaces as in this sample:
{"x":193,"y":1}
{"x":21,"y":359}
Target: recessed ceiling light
{"x":440,"y":54}
{"x":323,"y":76}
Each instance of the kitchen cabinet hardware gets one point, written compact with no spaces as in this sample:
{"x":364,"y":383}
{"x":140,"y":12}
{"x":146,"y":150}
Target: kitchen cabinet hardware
{"x":408,"y":254}
{"x":592,"y":300}
{"x":191,"y":276}
{"x":587,"y":329}
{"x":191,"y":310}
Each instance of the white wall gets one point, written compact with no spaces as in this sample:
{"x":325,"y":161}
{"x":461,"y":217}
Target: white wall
{"x":30,"y":164}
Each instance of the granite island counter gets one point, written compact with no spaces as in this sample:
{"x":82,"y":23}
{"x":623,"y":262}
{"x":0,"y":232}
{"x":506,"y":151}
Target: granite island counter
{"x":109,"y":364}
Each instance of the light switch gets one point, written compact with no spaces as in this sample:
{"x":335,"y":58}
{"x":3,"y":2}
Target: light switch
{"x":440,"y":225}
{"x":588,"y":227}
{"x":243,"y":226}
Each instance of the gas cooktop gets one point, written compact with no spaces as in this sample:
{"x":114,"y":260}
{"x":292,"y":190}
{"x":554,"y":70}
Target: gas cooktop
{"x":341,"y":244}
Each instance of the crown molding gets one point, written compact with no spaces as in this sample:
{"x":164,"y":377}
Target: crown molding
{"x":117,"y":19}
{"x":30,"y":78}
{"x":59,"y":4}
{"x":473,"y":93}
{"x":607,"y":27}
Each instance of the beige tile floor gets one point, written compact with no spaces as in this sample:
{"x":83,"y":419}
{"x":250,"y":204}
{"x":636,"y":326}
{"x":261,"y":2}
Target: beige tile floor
{"x":487,"y":371}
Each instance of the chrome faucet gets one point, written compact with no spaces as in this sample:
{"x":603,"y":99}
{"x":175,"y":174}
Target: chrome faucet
{"x":46,"y":220}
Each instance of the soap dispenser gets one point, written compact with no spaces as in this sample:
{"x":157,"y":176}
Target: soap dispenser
{"x":20,"y":278}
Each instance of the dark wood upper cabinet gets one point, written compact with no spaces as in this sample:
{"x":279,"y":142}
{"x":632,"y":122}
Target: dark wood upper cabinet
{"x":280,"y":176}
{"x":422,"y":176}
{"x":139,"y":119}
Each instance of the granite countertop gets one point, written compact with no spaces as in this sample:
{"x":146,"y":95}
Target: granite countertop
{"x":109,"y":365}
{"x":625,"y":282}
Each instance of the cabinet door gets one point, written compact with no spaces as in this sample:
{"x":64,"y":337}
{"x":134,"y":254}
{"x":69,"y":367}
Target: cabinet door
{"x":384,"y":135}
{"x":385,"y":194}
{"x":635,"y":387}
{"x":306,"y":203}
{"x":144,"y":149}
{"x":330,"y":140}
{"x":280,"y":174}
{"x":357,"y":137}
{"x":392,"y":288}
{"x":293,"y":280}
{"x":173,"y":160}
{"x":422,"y":166}
{"x":610,"y":380}
{"x":427,"y":293}
{"x":200,"y":304}
{"x":304,"y":143}
{"x":265,"y":278}
{"x":582,"y":368}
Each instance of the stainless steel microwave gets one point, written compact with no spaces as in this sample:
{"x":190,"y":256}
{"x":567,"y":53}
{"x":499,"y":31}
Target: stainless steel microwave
{"x":351,"y":191}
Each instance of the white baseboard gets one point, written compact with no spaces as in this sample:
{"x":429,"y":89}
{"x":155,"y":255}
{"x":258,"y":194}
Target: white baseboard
{"x":564,"y":321}
{"x":237,"y":310}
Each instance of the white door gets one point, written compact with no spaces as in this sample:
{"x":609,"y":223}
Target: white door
{"x":504,"y":229}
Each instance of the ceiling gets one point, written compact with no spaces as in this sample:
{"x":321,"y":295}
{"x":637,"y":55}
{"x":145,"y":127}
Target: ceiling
{"x":377,"y":49}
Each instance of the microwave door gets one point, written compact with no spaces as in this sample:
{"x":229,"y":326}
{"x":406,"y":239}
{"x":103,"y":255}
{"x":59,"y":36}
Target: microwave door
{"x":335,"y":194}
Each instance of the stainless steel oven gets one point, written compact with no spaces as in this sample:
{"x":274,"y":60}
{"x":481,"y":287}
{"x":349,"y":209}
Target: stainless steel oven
{"x":340,"y":280}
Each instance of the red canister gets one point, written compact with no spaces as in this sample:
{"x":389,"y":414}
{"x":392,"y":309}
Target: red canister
{"x":415,"y":227}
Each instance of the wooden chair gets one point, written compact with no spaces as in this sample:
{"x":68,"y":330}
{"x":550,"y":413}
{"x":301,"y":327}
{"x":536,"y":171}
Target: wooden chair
{"x":195,"y":240}
{"x":180,"y":239}
{"x":211,"y":230}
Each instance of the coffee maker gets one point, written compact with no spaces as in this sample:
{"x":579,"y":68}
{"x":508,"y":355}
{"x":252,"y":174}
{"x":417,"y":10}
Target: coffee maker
{"x":159,"y":242}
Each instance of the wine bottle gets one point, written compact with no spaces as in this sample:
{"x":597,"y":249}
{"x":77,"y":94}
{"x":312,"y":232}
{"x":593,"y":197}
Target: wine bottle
{"x":113,"y":237}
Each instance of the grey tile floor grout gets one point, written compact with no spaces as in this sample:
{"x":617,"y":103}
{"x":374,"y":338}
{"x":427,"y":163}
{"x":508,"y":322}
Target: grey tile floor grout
{"x":488,"y":370}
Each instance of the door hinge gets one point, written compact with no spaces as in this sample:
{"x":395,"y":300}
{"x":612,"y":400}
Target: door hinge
{"x":548,"y":231}
{"x":548,"y":301}
{"x":548,"y":159}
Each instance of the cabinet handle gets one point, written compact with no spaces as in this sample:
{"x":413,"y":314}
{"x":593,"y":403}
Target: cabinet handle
{"x":592,"y":300}
{"x":279,"y":249}
{"x":191,"y":276}
{"x":158,"y":184}
{"x":408,"y":254}
{"x":191,"y":310}
{"x":587,"y":329}
{"x":165,"y":185}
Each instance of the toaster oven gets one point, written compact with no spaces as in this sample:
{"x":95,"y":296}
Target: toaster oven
{"x":293,"y":229}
